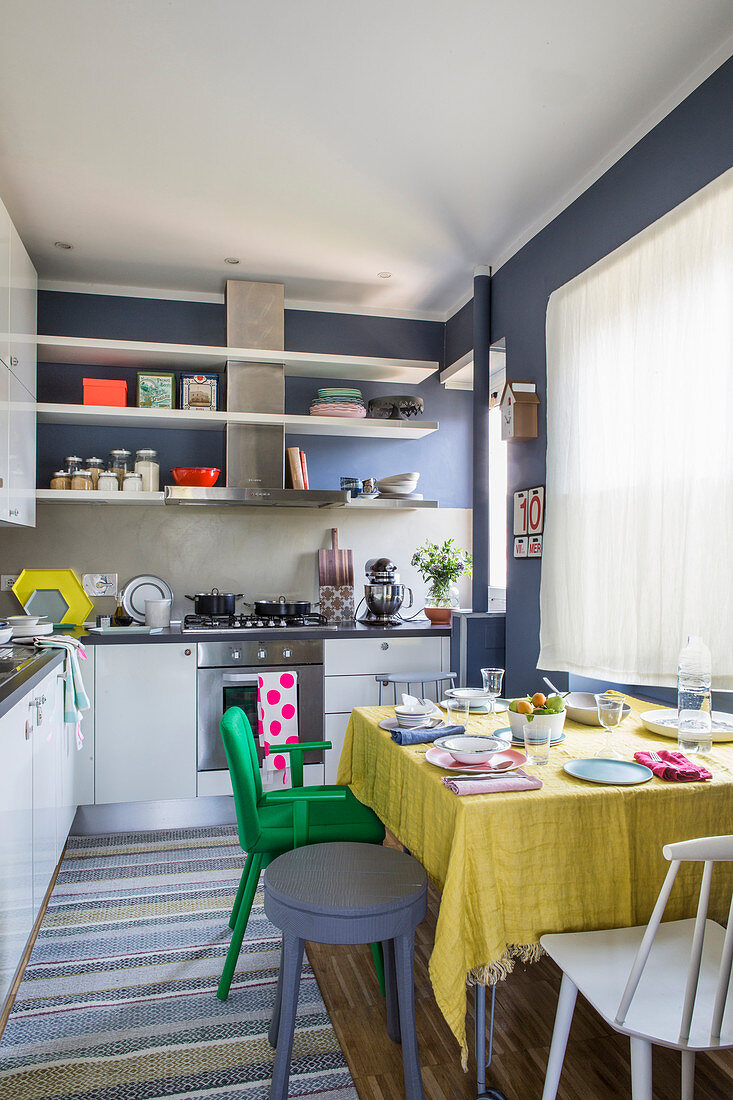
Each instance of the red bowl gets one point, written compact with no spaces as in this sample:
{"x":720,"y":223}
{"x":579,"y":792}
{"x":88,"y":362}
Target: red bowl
{"x":200,"y":476}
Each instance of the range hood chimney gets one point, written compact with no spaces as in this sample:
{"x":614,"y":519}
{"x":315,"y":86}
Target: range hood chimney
{"x":255,"y":453}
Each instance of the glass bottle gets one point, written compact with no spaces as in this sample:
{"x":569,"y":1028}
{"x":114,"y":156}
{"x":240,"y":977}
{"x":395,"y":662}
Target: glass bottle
{"x":108,"y":482}
{"x":119,"y":462}
{"x":72,"y":463}
{"x":694,"y":677}
{"x":120,"y":617}
{"x":132,"y":482}
{"x":60,"y":480}
{"x":95,"y":466}
{"x":81,"y":480}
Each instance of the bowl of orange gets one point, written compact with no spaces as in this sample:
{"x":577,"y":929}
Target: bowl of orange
{"x":550,"y":712}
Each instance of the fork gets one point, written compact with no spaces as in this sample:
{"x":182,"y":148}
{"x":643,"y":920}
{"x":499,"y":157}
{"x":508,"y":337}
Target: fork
{"x":656,"y":758}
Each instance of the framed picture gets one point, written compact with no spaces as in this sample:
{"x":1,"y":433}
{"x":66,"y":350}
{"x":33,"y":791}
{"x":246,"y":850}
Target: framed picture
{"x":199,"y":392}
{"x":156,"y":390}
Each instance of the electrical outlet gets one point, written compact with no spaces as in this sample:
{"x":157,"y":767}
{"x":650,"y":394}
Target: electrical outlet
{"x":99,"y":584}
{"x":7,"y":581}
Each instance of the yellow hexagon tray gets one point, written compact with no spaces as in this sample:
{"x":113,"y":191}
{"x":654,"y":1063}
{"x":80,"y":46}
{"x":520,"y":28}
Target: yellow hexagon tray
{"x":56,"y":593}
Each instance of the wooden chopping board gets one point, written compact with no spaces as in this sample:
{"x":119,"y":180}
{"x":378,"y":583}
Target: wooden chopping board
{"x":335,"y":567}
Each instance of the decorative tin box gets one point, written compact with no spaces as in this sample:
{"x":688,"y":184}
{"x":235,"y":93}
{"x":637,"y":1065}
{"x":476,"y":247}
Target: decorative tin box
{"x":156,"y":390}
{"x":199,"y":392}
{"x":337,"y":602}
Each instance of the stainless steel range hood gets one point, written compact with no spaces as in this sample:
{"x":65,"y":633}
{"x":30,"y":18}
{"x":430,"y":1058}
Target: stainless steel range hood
{"x":255,"y":455}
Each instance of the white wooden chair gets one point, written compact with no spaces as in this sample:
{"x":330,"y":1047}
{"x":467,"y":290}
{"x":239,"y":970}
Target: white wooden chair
{"x":663,"y":983}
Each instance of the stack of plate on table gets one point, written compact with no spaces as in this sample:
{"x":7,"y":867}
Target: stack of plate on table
{"x":338,"y":402}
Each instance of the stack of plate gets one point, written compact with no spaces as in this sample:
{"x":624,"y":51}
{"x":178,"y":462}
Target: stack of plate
{"x":338,"y":402}
{"x":26,"y":627}
{"x":399,"y":485}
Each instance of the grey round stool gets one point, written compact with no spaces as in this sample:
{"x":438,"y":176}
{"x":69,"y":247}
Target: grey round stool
{"x":347,"y":893}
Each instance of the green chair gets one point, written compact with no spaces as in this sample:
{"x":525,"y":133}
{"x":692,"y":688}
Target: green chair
{"x":270,"y":823}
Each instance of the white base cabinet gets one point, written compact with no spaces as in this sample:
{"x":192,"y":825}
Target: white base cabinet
{"x":145,"y":722}
{"x":351,"y":666}
{"x":16,"y":840}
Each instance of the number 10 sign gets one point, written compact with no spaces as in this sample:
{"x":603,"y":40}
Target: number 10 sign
{"x":529,"y":511}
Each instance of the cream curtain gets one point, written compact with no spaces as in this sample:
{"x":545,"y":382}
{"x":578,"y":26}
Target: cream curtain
{"x":638,"y":542}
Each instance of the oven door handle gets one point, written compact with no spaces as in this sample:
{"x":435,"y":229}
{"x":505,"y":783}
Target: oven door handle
{"x":239,"y":678}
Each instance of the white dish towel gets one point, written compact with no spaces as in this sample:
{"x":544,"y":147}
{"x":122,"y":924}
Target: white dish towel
{"x":277,"y":714}
{"x":75,"y":697}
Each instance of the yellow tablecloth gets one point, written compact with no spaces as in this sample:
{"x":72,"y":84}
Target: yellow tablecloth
{"x":513,"y":866}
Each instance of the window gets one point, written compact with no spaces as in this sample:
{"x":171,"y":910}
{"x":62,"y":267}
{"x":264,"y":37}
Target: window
{"x":638,"y":540}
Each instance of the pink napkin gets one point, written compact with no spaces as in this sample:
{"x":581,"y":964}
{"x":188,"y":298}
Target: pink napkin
{"x":515,"y":781}
{"x":674,"y":766}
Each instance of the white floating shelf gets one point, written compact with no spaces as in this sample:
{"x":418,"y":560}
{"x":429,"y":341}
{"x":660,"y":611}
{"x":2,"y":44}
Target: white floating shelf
{"x":85,"y":496}
{"x":389,"y":504}
{"x":217,"y":421}
{"x":459,"y":375}
{"x":83,"y":351}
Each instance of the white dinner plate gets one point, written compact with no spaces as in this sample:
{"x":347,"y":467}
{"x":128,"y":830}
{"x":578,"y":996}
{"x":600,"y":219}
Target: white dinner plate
{"x":612,"y":773}
{"x":142,"y":588}
{"x":500,"y":705}
{"x":664,"y":722}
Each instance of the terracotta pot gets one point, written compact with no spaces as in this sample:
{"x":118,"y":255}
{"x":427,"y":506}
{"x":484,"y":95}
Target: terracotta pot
{"x":439,"y":615}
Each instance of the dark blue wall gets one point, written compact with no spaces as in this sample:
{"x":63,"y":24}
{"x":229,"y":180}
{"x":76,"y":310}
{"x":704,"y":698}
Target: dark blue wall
{"x":459,"y":333}
{"x":443,"y":459}
{"x":689,"y":148}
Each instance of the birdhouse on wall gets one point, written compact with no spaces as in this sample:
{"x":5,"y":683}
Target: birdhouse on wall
{"x":519,"y":403}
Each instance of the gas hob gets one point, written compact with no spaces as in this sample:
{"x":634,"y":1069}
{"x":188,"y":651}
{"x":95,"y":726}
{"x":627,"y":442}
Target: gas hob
{"x":239,"y":624}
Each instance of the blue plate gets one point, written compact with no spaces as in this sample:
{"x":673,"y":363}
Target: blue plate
{"x":615,"y":773}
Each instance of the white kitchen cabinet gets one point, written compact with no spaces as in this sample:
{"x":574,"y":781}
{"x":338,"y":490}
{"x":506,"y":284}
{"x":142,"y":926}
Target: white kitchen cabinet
{"x":351,"y":665}
{"x":16,"y":839}
{"x":21,"y":501}
{"x":22,"y":314}
{"x":145,"y":722}
{"x":45,"y":710}
{"x":4,"y":446}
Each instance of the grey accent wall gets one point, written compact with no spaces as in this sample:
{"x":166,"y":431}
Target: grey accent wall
{"x":689,"y":148}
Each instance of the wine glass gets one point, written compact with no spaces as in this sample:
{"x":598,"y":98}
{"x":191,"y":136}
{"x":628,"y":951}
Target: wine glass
{"x":610,"y":712}
{"x":493,"y":678}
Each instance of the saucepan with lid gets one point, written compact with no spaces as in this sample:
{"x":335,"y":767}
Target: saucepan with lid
{"x":215,"y":602}
{"x":282,"y":608}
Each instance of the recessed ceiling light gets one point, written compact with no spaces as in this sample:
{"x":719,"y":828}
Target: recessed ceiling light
{"x":64,"y":245}
{"x":231,"y":260}
{"x":384,"y":274}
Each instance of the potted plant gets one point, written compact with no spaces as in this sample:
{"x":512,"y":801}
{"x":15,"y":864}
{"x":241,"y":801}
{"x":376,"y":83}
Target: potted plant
{"x":440,"y":566}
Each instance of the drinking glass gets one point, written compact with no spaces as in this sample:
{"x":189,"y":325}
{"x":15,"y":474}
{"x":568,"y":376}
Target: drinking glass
{"x":493,"y":678}
{"x":457,"y":712}
{"x":537,"y":739}
{"x":610,"y":712}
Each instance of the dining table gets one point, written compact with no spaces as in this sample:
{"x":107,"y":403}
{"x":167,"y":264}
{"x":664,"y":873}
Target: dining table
{"x":511,"y":866}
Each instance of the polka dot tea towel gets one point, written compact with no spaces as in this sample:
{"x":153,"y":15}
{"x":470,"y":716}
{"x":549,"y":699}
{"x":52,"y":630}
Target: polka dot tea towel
{"x":277,"y":712}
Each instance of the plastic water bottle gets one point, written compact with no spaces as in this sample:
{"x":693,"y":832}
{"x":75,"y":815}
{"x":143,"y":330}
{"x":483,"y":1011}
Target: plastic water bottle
{"x":694,"y":675}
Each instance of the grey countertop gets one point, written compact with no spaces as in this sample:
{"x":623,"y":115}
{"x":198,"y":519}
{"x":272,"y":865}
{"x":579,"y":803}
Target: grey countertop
{"x":15,"y":687}
{"x":417,"y":629}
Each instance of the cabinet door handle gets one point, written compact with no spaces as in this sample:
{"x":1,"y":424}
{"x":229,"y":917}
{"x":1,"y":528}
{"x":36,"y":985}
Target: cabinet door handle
{"x":13,"y":360}
{"x":14,"y":512}
{"x":28,"y":729}
{"x":187,"y":652}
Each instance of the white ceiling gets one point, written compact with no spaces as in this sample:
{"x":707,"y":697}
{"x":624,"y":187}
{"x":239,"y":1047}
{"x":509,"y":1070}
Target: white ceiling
{"x":322,"y":141}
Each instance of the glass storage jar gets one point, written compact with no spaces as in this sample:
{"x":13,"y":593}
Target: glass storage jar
{"x":72,"y":463}
{"x":108,"y":482}
{"x":146,"y":464}
{"x":60,"y":480}
{"x":95,"y":466}
{"x":82,"y":480}
{"x":119,"y":462}
{"x":132,"y":482}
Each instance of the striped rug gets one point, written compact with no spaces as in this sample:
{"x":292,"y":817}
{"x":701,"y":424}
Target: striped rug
{"x":118,"y":999}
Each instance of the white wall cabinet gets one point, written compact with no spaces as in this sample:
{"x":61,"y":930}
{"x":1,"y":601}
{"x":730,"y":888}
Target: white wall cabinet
{"x":18,"y":294}
{"x":16,"y":839}
{"x":351,"y":665}
{"x":145,"y":722}
{"x":21,"y":501}
{"x":22,"y":314}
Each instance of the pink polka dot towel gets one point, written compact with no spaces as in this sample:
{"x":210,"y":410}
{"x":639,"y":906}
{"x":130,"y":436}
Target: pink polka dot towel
{"x":277,"y":712}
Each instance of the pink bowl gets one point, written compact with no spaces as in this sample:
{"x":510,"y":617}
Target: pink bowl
{"x":203,"y":477}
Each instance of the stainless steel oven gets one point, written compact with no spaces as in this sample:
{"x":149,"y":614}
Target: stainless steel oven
{"x":227,"y":677}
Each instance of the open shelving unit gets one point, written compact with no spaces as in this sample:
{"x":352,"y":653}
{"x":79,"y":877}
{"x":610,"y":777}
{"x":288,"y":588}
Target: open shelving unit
{"x":128,"y":417}
{"x":84,"y":351}
{"x":72,"y":496}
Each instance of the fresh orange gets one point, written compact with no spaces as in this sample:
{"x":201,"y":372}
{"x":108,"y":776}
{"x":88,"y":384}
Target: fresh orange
{"x":538,"y":699}
{"x":524,"y":707}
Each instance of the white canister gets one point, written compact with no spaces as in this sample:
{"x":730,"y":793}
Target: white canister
{"x":157,"y":613}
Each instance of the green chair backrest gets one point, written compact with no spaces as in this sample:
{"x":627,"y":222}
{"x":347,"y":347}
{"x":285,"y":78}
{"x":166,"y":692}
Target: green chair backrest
{"x":244,"y":769}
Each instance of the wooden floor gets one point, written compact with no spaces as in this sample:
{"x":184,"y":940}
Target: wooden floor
{"x":596,"y":1063}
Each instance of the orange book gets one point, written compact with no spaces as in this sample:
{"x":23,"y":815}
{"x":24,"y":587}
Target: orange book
{"x":304,"y":469}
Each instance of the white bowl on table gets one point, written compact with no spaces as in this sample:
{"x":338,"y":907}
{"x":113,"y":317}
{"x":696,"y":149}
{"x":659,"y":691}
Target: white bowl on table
{"x":408,"y":717}
{"x":555,"y":723}
{"x":469,"y":748}
{"x":581,"y":707}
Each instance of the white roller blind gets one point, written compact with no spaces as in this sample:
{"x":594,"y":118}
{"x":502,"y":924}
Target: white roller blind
{"x":638,"y":542}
